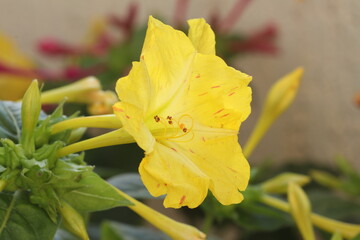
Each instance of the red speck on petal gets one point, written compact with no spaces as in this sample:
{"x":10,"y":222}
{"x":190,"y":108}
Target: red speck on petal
{"x":219,"y":111}
{"x":231,"y":94}
{"x":142,"y":57}
{"x":197,"y":76}
{"x":191,"y":150}
{"x":174,"y":149}
{"x":232,"y":170}
{"x":127,"y":116}
{"x":215,"y":86}
{"x":182,"y":199}
{"x":225,"y":115}
{"x":203,"y":138}
{"x":202,"y":94}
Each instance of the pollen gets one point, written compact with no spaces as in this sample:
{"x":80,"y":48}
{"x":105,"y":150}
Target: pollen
{"x":185,"y":129}
{"x":169,"y":118}
{"x":156,"y":118}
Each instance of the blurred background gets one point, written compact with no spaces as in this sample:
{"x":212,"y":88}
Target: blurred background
{"x":323,"y":36}
{"x":60,"y":42}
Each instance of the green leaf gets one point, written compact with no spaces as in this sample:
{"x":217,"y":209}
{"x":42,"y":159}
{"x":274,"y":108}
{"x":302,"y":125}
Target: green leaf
{"x":10,"y":120}
{"x":22,"y":220}
{"x":331,"y":205}
{"x":108,"y":232}
{"x":96,"y":195}
{"x":118,"y":231}
{"x":131,"y":184}
{"x":357,"y":237}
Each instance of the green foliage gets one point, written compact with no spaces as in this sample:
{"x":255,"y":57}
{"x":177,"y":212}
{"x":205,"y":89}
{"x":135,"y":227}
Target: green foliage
{"x":131,"y":184}
{"x":10,"y":120}
{"x":20,"y":219}
{"x":117,"y":231}
{"x":95,"y":194}
{"x":46,"y":178}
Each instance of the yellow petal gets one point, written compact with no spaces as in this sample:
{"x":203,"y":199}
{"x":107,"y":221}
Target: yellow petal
{"x":184,"y":183}
{"x":218,"y":155}
{"x":202,"y":36}
{"x":167,"y":55}
{"x":132,"y":120}
{"x":128,"y":88}
{"x":12,"y":87}
{"x":218,"y":94}
{"x":11,"y":55}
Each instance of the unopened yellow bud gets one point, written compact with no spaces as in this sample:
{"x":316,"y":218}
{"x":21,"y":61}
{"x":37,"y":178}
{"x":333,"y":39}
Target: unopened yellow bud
{"x":30,"y":112}
{"x":102,"y":102}
{"x":300,"y":210}
{"x":326,"y":179}
{"x":78,"y":92}
{"x":279,"y":98}
{"x":73,"y":221}
{"x":279,"y":184}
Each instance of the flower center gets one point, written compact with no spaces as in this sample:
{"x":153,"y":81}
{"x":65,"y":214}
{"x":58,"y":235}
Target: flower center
{"x":173,"y":129}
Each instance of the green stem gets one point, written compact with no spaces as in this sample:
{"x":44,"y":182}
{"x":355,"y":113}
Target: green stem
{"x":116,"y":137}
{"x":101,"y":121}
{"x":208,"y":221}
{"x":257,"y":134}
{"x":347,"y":230}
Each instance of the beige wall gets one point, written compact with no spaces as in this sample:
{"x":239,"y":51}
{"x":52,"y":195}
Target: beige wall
{"x":321,"y":35}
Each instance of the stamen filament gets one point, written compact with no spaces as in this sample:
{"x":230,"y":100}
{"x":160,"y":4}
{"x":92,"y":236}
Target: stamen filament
{"x":101,"y":121}
{"x":116,"y":137}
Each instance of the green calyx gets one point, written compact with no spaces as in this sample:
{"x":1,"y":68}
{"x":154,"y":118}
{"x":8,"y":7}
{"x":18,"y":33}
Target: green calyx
{"x":32,"y":164}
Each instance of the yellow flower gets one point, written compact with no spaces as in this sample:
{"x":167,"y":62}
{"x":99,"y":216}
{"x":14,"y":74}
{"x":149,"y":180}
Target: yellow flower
{"x":183,"y":105}
{"x":12,"y":87}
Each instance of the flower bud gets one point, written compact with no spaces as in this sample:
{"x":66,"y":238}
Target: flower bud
{"x":73,"y":221}
{"x":300,"y":210}
{"x":279,"y":184}
{"x":30,"y":112}
{"x":326,"y":179}
{"x":75,"y":92}
{"x":279,"y":98}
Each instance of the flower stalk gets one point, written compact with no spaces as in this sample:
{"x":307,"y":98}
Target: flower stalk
{"x":175,"y":230}
{"x":115,"y":137}
{"x":102,"y":121}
